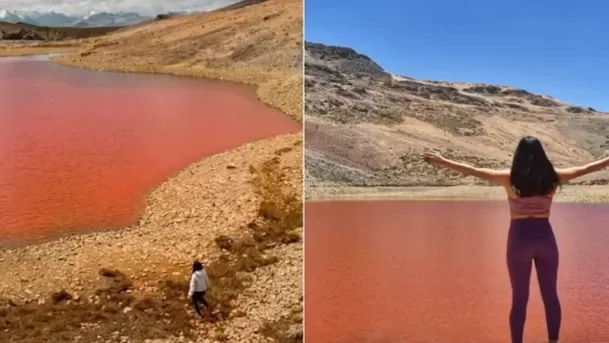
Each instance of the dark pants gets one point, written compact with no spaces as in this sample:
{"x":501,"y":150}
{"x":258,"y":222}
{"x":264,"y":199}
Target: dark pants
{"x":199,"y":297}
{"x":532,"y":240}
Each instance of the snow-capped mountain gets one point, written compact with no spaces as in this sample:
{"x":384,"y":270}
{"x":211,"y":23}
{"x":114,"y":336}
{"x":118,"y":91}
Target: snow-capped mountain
{"x":47,"y":18}
{"x":10,"y":16}
{"x":111,"y":19}
{"x":59,"y":19}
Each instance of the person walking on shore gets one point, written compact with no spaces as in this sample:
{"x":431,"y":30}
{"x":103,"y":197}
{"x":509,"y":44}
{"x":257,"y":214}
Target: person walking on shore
{"x":199,"y":283}
{"x":530,"y":185}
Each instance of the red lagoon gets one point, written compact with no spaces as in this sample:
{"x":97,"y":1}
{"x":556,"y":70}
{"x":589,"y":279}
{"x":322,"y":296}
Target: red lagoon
{"x":80,"y":149}
{"x":405,"y":271}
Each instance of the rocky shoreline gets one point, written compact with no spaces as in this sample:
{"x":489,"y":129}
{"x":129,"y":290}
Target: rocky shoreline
{"x":182,"y":219}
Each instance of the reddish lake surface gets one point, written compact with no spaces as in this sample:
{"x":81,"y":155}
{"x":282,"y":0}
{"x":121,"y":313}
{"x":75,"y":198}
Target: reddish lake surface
{"x":80,"y":149}
{"x":389,"y":272}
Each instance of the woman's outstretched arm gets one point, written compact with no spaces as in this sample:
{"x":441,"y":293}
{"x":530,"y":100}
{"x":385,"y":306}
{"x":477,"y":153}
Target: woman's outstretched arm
{"x":500,"y":177}
{"x":568,"y":174}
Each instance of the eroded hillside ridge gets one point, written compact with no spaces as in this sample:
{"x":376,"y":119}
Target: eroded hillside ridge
{"x":28,"y":32}
{"x":368,"y":127}
{"x":339,"y":60}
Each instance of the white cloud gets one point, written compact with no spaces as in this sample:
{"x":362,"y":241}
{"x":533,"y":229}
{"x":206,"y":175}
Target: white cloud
{"x":83,"y":7}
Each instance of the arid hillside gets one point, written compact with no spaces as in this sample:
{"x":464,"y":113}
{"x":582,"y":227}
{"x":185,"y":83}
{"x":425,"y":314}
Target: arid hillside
{"x":23,"y":31}
{"x":240,"y":4}
{"x":260,"y":44}
{"x":368,"y":127}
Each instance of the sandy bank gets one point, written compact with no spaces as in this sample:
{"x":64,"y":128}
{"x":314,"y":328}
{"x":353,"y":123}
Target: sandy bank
{"x":569,"y":193}
{"x":36,"y":50}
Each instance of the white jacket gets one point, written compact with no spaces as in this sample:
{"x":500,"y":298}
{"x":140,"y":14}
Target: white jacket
{"x":198,"y":282}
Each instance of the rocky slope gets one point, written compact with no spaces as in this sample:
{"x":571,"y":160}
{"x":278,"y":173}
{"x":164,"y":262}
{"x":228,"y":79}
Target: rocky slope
{"x":368,"y":127}
{"x":23,"y":31}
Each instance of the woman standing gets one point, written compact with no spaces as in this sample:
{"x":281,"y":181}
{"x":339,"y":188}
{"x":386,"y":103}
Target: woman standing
{"x":530,"y":185}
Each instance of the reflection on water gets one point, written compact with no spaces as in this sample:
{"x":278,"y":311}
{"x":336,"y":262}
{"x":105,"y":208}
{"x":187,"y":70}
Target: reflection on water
{"x":435,"y":272}
{"x":79,"y":149}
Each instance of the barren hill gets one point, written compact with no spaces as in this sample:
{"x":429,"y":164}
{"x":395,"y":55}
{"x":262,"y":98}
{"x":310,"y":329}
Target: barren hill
{"x":367,"y":127}
{"x":23,"y":31}
{"x":255,"y":42}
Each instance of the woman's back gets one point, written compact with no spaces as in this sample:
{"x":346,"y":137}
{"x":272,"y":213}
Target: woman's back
{"x":536,"y":206}
{"x":530,"y":207}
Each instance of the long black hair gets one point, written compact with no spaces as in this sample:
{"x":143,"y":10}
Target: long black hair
{"x":532,"y":172}
{"x":196,"y":266}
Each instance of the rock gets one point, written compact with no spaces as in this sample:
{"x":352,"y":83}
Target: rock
{"x":541,"y":101}
{"x":296,"y":332}
{"x":516,"y":92}
{"x":224,"y":242}
{"x":575,"y":109}
{"x":61,"y":296}
{"x":483,"y":89}
{"x":344,"y":60}
{"x":163,"y":16}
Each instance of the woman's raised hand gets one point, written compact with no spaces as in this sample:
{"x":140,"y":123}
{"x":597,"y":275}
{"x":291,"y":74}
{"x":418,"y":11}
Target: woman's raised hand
{"x":433,"y":158}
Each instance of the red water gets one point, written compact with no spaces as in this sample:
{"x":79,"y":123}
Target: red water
{"x":436,"y":272}
{"x":80,"y":149}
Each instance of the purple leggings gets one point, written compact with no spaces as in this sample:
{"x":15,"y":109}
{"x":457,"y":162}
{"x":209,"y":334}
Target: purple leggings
{"x":533,"y":240}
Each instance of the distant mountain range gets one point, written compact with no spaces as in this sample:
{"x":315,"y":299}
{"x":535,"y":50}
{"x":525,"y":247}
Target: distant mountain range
{"x":107,"y":19}
{"x":101,"y":19}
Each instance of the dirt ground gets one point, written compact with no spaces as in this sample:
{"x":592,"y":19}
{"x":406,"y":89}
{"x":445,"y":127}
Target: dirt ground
{"x":203,"y":212}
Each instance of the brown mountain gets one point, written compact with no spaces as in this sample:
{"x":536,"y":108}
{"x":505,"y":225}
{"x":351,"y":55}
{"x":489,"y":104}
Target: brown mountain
{"x":23,"y":31}
{"x":368,"y":127}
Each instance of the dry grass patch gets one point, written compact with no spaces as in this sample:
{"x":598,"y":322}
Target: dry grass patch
{"x":284,"y":330}
{"x":113,"y":311}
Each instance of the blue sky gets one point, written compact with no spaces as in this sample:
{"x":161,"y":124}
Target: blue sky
{"x":559,"y":48}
